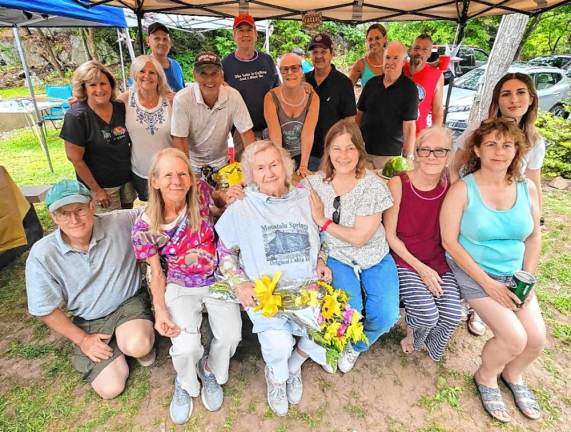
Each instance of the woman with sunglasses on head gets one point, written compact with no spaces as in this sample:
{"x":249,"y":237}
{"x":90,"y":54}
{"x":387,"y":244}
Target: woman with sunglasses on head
{"x":291,"y":112}
{"x":428,"y":288}
{"x":372,"y":64}
{"x":514,"y":97}
{"x":490,"y":230}
{"x":347,"y":202}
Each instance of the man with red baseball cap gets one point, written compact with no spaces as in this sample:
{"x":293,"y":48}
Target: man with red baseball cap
{"x":251,"y":72}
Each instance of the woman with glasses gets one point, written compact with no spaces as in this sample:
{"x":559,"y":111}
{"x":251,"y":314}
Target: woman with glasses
{"x":291,"y":112}
{"x":347,"y":202}
{"x":428,"y":288}
{"x":372,"y":64}
{"x":490,"y":230}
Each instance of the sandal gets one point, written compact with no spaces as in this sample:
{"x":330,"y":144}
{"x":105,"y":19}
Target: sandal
{"x":524,"y":399}
{"x":493,"y":403}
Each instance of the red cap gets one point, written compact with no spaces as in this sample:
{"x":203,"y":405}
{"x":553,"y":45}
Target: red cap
{"x":244,"y":19}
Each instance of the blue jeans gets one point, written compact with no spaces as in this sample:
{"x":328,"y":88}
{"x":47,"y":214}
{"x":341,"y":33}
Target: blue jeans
{"x":378,"y":289}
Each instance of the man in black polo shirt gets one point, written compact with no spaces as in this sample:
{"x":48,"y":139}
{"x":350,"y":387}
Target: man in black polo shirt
{"x":335,"y":91}
{"x":387,"y":110}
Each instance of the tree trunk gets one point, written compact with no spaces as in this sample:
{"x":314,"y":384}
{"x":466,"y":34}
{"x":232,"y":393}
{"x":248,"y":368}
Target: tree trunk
{"x":509,"y":35}
{"x":45,"y":50}
{"x":83,"y":34}
{"x":91,"y":44}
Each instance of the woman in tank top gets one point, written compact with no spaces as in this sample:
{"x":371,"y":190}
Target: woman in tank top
{"x":428,"y":288}
{"x":372,"y":64}
{"x":147,"y":118}
{"x":490,"y":230}
{"x":291,"y":111}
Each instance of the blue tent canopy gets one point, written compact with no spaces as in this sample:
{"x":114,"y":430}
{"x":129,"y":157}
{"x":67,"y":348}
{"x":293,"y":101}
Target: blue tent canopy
{"x":58,"y":13}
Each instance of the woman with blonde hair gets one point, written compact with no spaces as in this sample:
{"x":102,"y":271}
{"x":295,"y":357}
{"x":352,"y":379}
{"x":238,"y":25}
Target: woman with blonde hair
{"x":177,"y":226}
{"x":347,"y":203}
{"x":148,"y":117}
{"x":96,"y":140}
{"x":490,"y":230}
{"x":270,"y":230}
{"x":428,"y":288}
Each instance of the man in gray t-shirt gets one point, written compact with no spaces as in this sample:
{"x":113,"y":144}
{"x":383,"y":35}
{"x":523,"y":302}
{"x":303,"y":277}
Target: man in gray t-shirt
{"x":87,"y":267}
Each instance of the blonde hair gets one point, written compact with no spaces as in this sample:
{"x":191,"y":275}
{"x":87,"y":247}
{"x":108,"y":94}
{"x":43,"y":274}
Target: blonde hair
{"x":345,"y":126}
{"x":247,"y":161}
{"x":89,"y":71}
{"x":139,"y":64}
{"x":434,"y":130}
{"x":156,"y":205}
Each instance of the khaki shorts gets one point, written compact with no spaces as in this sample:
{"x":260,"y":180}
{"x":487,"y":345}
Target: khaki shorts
{"x":119,"y":196}
{"x":136,"y":307}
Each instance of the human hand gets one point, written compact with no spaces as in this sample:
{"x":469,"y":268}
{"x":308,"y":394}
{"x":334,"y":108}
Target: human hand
{"x":317,"y":208}
{"x":94,"y":347}
{"x":235,"y":193}
{"x":502,"y":294}
{"x":324,"y":272}
{"x":431,"y":279}
{"x":528,"y":298}
{"x":245,"y":294}
{"x":164,"y":325}
{"x":102,"y":198}
{"x":303,"y":171}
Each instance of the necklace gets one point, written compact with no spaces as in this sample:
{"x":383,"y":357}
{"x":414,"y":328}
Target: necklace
{"x":373,"y":64}
{"x":433,"y":198}
{"x":293,"y":104}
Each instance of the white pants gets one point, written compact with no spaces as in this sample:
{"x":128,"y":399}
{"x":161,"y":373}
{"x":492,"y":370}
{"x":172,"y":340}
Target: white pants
{"x":277,"y":347}
{"x":185,"y":306}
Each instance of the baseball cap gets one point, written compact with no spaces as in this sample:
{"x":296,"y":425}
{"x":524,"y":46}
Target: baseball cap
{"x":320,"y":40}
{"x":67,"y":192}
{"x":158,"y":26}
{"x":244,"y":19}
{"x":207,"y":58}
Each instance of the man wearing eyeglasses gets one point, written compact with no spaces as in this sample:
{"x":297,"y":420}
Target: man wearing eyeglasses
{"x":387,"y":110}
{"x":429,"y":82}
{"x":252,"y":73}
{"x":88,"y":267}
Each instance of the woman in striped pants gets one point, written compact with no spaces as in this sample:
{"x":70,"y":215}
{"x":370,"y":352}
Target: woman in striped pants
{"x":427,"y":286}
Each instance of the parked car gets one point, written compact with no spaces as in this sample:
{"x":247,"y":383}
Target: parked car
{"x":472,"y":57}
{"x":552,"y":84}
{"x":562,"y":61}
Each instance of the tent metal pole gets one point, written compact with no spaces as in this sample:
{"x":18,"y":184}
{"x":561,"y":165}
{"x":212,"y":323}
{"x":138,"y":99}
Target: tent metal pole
{"x":129,"y":43}
{"x":119,"y":41}
{"x":38,"y":120}
{"x":139,"y":14}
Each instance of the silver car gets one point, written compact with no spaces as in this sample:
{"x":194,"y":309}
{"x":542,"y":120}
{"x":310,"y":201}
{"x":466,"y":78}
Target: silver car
{"x":552,"y":84}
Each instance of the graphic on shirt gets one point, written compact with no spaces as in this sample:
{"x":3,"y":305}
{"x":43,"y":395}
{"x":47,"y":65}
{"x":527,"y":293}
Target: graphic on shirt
{"x":248,"y":76}
{"x":286,"y":243}
{"x":151,"y":121}
{"x":421,"y":92}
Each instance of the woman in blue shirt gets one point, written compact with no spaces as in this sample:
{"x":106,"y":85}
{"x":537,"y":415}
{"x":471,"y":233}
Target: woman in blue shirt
{"x":490,"y":230}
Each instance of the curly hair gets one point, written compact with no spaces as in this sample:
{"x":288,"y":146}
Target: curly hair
{"x":344,"y":126}
{"x":504,"y":127}
{"x":89,"y":71}
{"x":247,"y":160}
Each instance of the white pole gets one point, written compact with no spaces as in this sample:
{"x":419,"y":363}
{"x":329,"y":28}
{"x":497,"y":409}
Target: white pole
{"x":129,"y":44}
{"x":38,"y":119}
{"x":119,"y":40}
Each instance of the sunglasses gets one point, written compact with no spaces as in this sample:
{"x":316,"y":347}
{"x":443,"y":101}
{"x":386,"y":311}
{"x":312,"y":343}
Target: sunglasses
{"x":293,"y":69}
{"x":438,"y":152}
{"x":337,"y":213}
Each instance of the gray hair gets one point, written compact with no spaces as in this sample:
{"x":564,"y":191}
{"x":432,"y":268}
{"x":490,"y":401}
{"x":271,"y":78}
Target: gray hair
{"x":247,"y":161}
{"x":434,"y":130}
{"x":138,"y":65}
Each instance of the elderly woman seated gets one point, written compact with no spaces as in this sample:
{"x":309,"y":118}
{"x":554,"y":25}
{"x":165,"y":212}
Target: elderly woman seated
{"x":428,"y":288}
{"x":271,"y":230}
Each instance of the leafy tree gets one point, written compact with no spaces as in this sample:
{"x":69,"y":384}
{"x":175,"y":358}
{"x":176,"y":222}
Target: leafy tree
{"x":557,"y":134}
{"x":549,"y":34}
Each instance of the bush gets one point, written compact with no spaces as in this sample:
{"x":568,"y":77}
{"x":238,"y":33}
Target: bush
{"x":557,"y":134}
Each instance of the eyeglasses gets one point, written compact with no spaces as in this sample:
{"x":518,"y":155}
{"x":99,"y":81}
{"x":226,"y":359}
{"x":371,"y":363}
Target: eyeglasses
{"x":65,"y":216}
{"x":437,"y":152}
{"x":293,"y":69}
{"x":336,"y":217}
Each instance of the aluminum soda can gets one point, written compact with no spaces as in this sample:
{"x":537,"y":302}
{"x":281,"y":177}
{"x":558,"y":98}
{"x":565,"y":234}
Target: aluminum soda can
{"x":522,"y":283}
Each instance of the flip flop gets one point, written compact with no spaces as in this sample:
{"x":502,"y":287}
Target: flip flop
{"x":493,"y":403}
{"x":524,"y":399}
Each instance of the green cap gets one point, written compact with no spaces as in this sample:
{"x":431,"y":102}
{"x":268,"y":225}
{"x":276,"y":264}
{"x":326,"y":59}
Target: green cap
{"x":66,"y":192}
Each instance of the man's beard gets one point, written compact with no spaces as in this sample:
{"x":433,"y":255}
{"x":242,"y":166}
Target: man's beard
{"x":417,"y":60}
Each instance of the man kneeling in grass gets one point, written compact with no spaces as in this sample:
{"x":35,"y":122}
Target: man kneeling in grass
{"x":87,"y":265}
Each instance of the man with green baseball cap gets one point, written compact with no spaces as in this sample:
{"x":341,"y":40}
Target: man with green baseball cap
{"x":88,"y":266}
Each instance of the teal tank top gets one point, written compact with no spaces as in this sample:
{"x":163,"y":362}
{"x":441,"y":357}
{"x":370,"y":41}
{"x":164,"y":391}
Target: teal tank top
{"x":367,"y":73}
{"x":495,"y":238}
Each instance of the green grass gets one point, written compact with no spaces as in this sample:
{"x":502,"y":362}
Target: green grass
{"x":445,"y":393}
{"x":29,"y":351}
{"x":562,"y":331}
{"x":13,"y":92}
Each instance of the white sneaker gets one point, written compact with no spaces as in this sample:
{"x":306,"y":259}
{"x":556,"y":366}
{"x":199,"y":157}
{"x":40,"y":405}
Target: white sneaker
{"x":294,"y":388}
{"x":149,"y":359}
{"x":181,"y":405}
{"x":347,"y":359}
{"x":327,"y":368}
{"x":277,"y":396}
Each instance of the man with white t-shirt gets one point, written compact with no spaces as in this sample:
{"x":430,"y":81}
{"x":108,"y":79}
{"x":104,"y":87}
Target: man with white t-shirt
{"x":204,"y":113}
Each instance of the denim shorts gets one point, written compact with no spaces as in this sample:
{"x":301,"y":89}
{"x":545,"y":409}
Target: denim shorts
{"x":469,"y":288}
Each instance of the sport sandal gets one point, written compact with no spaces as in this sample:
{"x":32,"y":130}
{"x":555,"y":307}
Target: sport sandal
{"x":524,"y":399}
{"x":493,"y":403}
